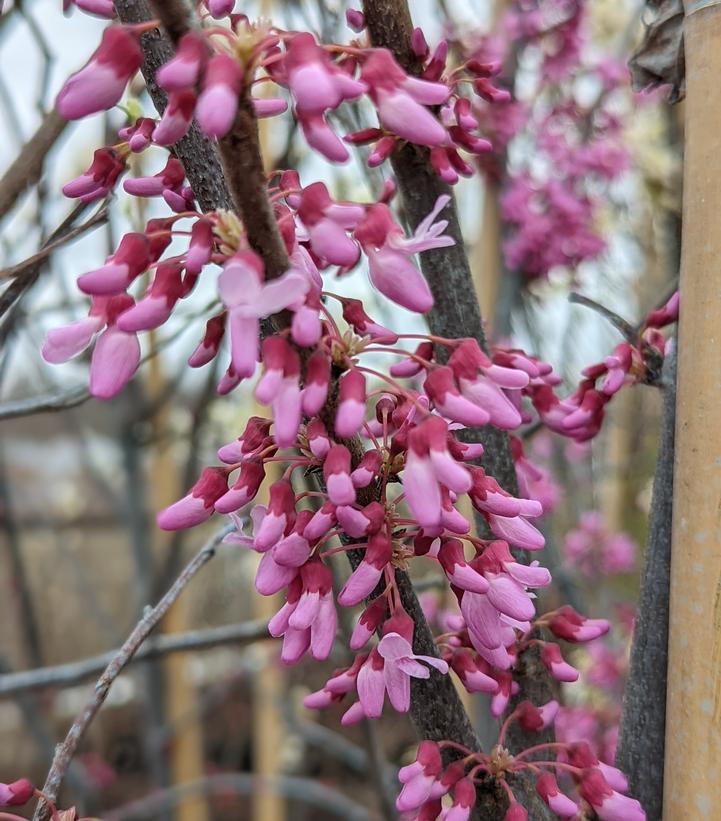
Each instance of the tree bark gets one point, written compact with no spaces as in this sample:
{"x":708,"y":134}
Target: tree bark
{"x":643,"y":722}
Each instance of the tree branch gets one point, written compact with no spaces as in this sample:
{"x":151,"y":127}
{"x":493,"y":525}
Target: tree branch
{"x":455,"y":314}
{"x":28,"y":165}
{"x":643,"y":722}
{"x":65,"y":751}
{"x":73,"y":672}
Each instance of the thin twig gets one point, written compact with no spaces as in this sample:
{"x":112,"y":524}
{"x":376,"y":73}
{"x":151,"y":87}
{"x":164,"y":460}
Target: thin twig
{"x":18,"y":270}
{"x":65,"y":751}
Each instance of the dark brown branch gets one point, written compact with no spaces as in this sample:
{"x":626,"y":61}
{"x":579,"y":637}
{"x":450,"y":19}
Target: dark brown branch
{"x":643,"y":722}
{"x":66,"y":675}
{"x":28,"y":166}
{"x":455,"y":314}
{"x":65,"y":751}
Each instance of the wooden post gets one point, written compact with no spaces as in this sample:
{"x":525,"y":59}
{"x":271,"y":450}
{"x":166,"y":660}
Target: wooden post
{"x":693,"y":728}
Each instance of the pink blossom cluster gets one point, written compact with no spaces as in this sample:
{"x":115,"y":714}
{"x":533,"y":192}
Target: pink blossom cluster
{"x":382,"y":444}
{"x":596,"y":787}
{"x":214,"y":66}
{"x":550,"y":202}
{"x":592,"y":549}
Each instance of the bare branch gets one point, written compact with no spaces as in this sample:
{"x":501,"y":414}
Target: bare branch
{"x":65,"y":675}
{"x":27,"y":168}
{"x":19,"y":270}
{"x":65,"y":751}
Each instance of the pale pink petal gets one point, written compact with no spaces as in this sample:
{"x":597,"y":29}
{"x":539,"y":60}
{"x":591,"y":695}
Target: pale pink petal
{"x":114,"y":361}
{"x":64,"y":343}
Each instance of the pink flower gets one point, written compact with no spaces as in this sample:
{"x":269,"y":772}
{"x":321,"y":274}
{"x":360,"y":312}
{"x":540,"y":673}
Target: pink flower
{"x":608,"y":804}
{"x":245,"y":487}
{"x":388,"y":252}
{"x":569,"y":625}
{"x":315,"y":83}
{"x":392,"y":666}
{"x":183,"y":69}
{"x":366,"y":576}
{"x":421,"y":778}
{"x":327,"y":223}
{"x":101,"y":83}
{"x":351,"y":404}
{"x":280,"y":387}
{"x":248,"y":299}
{"x":560,"y":669}
{"x":139,"y":134}
{"x":158,"y":301}
{"x":253,"y":439}
{"x":429,"y":465}
{"x":308,"y":619}
{"x":557,"y":802}
{"x":401,"y":99}
{"x":171,"y":177}
{"x":336,"y":472}
{"x":98,"y":181}
{"x":131,"y":259}
{"x":210,"y":343}
{"x":197,"y":505}
{"x":355,"y":315}
{"x":279,"y":517}
{"x":176,"y":119}
{"x":218,"y":102}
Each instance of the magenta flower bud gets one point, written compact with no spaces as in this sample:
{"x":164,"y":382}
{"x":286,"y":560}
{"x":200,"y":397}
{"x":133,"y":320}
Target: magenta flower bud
{"x":351,"y":404}
{"x":268,"y":106}
{"x":470,"y":670}
{"x":609,"y":804}
{"x":98,"y":181}
{"x":554,"y":662}
{"x":17,"y":793}
{"x":516,"y":812}
{"x":101,"y":83}
{"x":336,"y":472}
{"x":197,"y":506}
{"x":457,"y":569}
{"x":557,"y":802}
{"x":367,"y":469}
{"x":441,"y":388}
{"x":419,"y":44}
{"x":210,"y":343}
{"x":169,"y":177}
{"x":280,"y":516}
{"x":321,"y":137}
{"x":407,"y":368}
{"x":443,"y":166}
{"x":366,"y":576}
{"x":183,"y":70}
{"x":534,"y":718}
{"x":245,"y":488}
{"x":381,"y":151}
{"x":569,"y":625}
{"x":315,"y":390}
{"x":363,"y":325}
{"x":158,"y":302}
{"x":99,"y":8}
{"x":128,"y":262}
{"x":323,"y":520}
{"x":139,"y":134}
{"x":420,"y":777}
{"x":369,"y":621}
{"x":218,"y":102}
{"x":176,"y":119}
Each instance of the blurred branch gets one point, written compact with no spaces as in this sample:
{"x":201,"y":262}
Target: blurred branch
{"x":65,"y":675}
{"x":65,"y":751}
{"x":27,"y":168}
{"x":47,"y":402}
{"x":21,"y":268}
{"x":303,"y":790}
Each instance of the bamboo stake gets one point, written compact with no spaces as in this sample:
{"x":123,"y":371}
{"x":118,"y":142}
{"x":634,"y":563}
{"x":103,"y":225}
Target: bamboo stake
{"x":693,"y":728}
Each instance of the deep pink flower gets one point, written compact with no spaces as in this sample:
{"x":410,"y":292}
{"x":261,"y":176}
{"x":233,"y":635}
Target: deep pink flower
{"x":177,"y":117}
{"x":336,"y":472}
{"x":101,"y":83}
{"x":218,"y":101}
{"x":197,"y":505}
{"x":608,"y":804}
{"x":17,"y":793}
{"x":558,"y":802}
{"x":351,"y":404}
{"x":98,"y":181}
{"x":401,"y":99}
{"x":183,"y":69}
{"x":366,"y":576}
